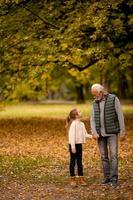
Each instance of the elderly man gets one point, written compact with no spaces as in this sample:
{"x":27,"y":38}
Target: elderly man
{"x":107,"y":122}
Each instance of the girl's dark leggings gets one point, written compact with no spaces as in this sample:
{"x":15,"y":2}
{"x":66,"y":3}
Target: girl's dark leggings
{"x":76,"y":158}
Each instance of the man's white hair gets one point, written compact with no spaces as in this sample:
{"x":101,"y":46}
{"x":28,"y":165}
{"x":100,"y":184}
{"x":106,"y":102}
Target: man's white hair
{"x":98,"y":87}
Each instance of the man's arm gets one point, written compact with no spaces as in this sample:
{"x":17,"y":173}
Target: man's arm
{"x":120,"y":117}
{"x":92,"y":124}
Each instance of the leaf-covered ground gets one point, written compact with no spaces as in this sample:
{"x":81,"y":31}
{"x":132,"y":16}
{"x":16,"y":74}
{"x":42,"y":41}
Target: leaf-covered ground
{"x":34,"y":163}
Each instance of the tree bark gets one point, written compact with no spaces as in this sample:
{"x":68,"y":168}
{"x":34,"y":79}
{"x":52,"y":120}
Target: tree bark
{"x":104,"y":80}
{"x":80,"y":94}
{"x":122,"y":86}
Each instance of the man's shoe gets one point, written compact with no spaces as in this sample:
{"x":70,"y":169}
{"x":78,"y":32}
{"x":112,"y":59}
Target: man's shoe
{"x":114,"y":184}
{"x":106,"y":181}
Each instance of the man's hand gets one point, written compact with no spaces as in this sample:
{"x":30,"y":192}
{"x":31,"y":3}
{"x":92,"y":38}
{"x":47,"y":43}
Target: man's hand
{"x":122,"y":136}
{"x":95,"y":136}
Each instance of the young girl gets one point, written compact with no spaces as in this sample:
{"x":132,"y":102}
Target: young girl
{"x":76,"y":135}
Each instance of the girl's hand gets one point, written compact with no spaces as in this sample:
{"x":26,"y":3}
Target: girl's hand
{"x":73,"y":150}
{"x":89,"y":135}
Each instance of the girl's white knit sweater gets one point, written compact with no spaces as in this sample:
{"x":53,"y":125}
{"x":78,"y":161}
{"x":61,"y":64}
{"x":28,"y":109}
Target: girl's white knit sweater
{"x":77,"y":133}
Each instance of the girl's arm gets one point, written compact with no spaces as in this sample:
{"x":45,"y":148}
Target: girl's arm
{"x":72,"y":136}
{"x":86,"y":134}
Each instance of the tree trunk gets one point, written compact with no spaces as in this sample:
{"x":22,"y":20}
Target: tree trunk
{"x":80,"y":94}
{"x":122,"y":86}
{"x":104,"y":80}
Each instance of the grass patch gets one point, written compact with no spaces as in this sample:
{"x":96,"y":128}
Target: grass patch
{"x":36,"y":170}
{"x":22,"y":167}
{"x":51,"y":110}
{"x":56,"y":179}
{"x":46,"y":110}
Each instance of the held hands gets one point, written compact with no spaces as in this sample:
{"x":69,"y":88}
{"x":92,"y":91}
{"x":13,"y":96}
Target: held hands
{"x":89,"y":136}
{"x":95,"y":136}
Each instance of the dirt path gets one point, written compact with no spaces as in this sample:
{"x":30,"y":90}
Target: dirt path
{"x":24,"y":191}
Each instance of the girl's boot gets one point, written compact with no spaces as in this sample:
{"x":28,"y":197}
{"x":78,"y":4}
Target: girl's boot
{"x":82,"y":181}
{"x":73,"y":181}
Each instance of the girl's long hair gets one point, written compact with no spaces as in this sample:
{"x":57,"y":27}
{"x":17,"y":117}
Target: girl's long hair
{"x":72,"y":116}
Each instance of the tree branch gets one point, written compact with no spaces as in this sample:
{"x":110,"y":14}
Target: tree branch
{"x":79,"y":68}
{"x":43,"y":20}
{"x":14,"y":45}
